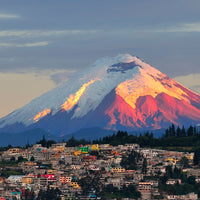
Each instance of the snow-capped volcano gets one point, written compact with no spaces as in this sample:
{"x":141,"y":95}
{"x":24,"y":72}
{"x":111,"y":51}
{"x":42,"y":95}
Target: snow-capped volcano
{"x":122,"y":92}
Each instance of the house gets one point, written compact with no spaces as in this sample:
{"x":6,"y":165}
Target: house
{"x":117,"y":170}
{"x":15,"y":178}
{"x":75,"y":185}
{"x":95,"y":147}
{"x":50,"y":177}
{"x":190,"y":196}
{"x":27,"y":179}
{"x":14,"y":151}
{"x":145,"y":188}
{"x":173,"y":181}
{"x":65,"y":179}
{"x":89,"y":158}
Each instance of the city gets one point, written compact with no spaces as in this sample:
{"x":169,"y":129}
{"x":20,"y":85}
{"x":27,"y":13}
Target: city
{"x":89,"y":171}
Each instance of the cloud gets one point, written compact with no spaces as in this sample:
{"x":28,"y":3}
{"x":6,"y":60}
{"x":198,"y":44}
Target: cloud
{"x":181,"y":27}
{"x":4,"y":16}
{"x":61,"y":76}
{"x":190,"y":81}
{"x":186,"y":27}
{"x":35,"y":44}
{"x":44,"y":33}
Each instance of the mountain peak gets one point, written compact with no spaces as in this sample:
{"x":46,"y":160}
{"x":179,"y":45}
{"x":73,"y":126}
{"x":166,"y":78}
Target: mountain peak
{"x":120,"y":58}
{"x":121,"y":92}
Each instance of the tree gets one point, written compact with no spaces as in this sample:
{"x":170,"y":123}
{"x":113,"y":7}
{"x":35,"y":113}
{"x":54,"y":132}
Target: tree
{"x":43,"y":142}
{"x":167,"y":133}
{"x":20,"y":159}
{"x":109,"y":191}
{"x":130,"y":161}
{"x":191,"y":180}
{"x":176,"y":172}
{"x":183,"y":131}
{"x":173,"y":130}
{"x":71,"y":142}
{"x":90,"y":182}
{"x":184,"y":162}
{"x":169,"y":171}
{"x":32,"y":159}
{"x":49,"y":194}
{"x":144,"y":166}
{"x":190,"y":131}
{"x":12,"y":159}
{"x":196,"y":159}
{"x":178,"y":132}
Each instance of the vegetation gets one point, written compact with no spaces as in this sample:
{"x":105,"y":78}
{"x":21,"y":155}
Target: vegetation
{"x":197,"y":157}
{"x":144,"y":166}
{"x":187,"y":185}
{"x":111,"y":192}
{"x":49,"y":194}
{"x":8,"y":172}
{"x":90,"y":183}
{"x":173,"y":139}
{"x":72,"y":142}
{"x":46,"y":143}
{"x":130,"y":162}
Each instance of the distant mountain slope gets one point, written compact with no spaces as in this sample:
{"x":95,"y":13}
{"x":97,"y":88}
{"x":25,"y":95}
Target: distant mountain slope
{"x":119,"y":93}
{"x":23,"y":138}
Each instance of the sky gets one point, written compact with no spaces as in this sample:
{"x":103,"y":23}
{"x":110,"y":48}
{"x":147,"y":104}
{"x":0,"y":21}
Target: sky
{"x":42,"y":43}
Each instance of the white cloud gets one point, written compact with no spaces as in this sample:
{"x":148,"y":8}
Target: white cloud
{"x":44,"y":33}
{"x":8,"y":16}
{"x":61,"y":76}
{"x":187,"y":27}
{"x":190,"y":81}
{"x":35,"y":44}
{"x":183,"y":27}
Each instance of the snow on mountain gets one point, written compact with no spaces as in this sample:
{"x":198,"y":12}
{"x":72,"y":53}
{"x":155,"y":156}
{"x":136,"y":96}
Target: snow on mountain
{"x":140,"y":88}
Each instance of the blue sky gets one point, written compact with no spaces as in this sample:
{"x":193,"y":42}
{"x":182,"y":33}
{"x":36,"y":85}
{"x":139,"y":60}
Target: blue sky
{"x":49,"y":40}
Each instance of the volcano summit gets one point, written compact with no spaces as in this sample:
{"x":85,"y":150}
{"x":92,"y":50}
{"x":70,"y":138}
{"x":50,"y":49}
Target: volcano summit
{"x":120,"y":93}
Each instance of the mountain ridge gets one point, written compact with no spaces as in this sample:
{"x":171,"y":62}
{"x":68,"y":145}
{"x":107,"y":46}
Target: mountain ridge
{"x":119,"y":93}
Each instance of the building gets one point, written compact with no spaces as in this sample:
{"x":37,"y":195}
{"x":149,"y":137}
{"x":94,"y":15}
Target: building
{"x":65,"y":179}
{"x":117,"y":170}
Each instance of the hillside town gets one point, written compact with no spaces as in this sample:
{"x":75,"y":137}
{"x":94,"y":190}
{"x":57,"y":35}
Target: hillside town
{"x":85,"y":171}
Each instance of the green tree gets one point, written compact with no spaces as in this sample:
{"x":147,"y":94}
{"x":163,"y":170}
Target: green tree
{"x":12,"y":159}
{"x":183,"y":132}
{"x":173,"y":130}
{"x":72,"y":142}
{"x":196,"y":159}
{"x":184,"y":162}
{"x":191,"y":180}
{"x":169,"y":172}
{"x":32,"y":159}
{"x":190,"y":131}
{"x":130,"y":161}
{"x":178,"y":132}
{"x":20,"y":159}
{"x":49,"y":194}
{"x":144,"y":166}
{"x":90,"y":182}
